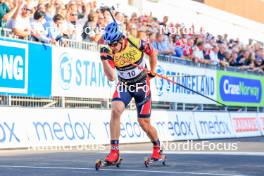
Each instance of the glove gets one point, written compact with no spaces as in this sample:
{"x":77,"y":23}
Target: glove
{"x":151,"y":74}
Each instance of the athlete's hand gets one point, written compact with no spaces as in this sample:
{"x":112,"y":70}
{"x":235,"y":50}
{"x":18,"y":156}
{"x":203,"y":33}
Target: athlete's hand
{"x":151,"y":74}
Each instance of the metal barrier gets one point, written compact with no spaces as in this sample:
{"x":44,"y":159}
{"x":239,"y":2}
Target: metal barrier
{"x":74,"y":102}
{"x":5,"y":32}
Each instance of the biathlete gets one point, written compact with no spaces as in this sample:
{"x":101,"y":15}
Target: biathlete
{"x":121,"y":55}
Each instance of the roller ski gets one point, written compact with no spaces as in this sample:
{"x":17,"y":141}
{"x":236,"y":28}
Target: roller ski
{"x":155,"y":157}
{"x":113,"y":159}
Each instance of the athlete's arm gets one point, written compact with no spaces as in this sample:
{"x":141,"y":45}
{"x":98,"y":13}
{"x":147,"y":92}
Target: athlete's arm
{"x":108,"y":70}
{"x":108,"y":65}
{"x":149,"y":50}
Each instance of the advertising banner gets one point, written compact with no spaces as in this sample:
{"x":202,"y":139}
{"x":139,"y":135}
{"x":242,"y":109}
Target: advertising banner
{"x":213,"y":125}
{"x":79,"y":73}
{"x":72,"y":127}
{"x":82,"y":127}
{"x":25,"y":68}
{"x":237,"y":89}
{"x":199,"y":79}
{"x":12,"y":128}
{"x":246,"y":124}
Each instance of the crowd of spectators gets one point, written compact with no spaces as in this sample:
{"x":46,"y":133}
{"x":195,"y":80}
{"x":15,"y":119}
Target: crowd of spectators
{"x":54,"y":21}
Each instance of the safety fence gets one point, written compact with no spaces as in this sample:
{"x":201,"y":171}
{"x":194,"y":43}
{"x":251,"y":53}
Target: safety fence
{"x":38,"y":75}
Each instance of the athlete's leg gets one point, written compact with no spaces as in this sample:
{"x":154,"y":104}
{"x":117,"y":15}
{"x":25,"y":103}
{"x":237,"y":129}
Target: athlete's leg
{"x":143,"y":102}
{"x":121,"y":99}
{"x":148,"y":128}
{"x":118,"y":108}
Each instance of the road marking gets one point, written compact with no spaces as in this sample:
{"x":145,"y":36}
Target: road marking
{"x":117,"y":170}
{"x":196,"y":153}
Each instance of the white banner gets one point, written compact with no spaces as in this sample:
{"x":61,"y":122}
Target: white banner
{"x":174,"y":125}
{"x":198,"y":79}
{"x":245,"y":124}
{"x":12,"y":128}
{"x":73,"y":127}
{"x":79,"y":73}
{"x":213,"y":125}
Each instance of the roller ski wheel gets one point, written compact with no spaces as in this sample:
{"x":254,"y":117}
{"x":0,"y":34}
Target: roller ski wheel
{"x":100,"y":164}
{"x":149,"y":161}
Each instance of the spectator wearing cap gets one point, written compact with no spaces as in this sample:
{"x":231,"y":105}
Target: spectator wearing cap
{"x":6,"y":13}
{"x":163,"y":46}
{"x":21,"y":20}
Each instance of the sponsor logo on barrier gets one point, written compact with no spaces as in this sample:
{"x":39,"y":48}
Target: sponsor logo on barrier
{"x":214,"y":127}
{"x":7,"y":133}
{"x":235,"y":89}
{"x":158,"y":81}
{"x":13,"y":67}
{"x":78,"y":72}
{"x":68,"y":130}
{"x":245,"y":125}
{"x":65,"y":71}
{"x":203,"y":84}
{"x":176,"y":127}
{"x":127,"y":130}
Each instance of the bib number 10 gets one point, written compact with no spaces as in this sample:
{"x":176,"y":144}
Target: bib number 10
{"x":131,"y":74}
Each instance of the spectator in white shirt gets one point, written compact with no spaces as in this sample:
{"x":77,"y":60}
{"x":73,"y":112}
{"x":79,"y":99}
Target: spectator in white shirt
{"x":214,"y":55}
{"x":38,"y":31}
{"x":21,"y":21}
{"x":198,"y":55}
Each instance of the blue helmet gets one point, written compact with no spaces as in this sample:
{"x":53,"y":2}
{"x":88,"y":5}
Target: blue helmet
{"x":112,"y":33}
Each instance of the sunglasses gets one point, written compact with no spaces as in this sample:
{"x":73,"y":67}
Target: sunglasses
{"x":112,"y":45}
{"x":27,"y":9}
{"x":74,"y":14}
